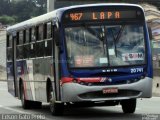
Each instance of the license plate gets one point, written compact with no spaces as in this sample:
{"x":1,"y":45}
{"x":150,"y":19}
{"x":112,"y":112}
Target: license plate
{"x":110,"y":90}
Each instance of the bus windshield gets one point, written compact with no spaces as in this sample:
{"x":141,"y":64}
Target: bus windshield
{"x":105,"y":45}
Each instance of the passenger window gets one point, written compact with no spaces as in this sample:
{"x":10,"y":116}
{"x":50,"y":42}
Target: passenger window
{"x":17,"y":38}
{"x":40,"y":32}
{"x":20,"y":37}
{"x":26,"y":51}
{"x":19,"y":52}
{"x":33,"y":35}
{"x":27,"y":36}
{"x":49,"y":31}
{"x":9,"y":54}
{"x":40,"y":49}
{"x":32,"y":50}
{"x":48,"y":48}
{"x":9,"y":40}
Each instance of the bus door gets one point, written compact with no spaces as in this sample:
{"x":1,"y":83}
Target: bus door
{"x":56,"y":64}
{"x":11,"y":69}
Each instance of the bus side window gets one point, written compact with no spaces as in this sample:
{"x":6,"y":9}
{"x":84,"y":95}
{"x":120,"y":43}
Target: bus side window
{"x":37,"y":33}
{"x":9,"y":47}
{"x":40,"y":32}
{"x":21,"y":38}
{"x":27,"y":36}
{"x":40,"y":49}
{"x":45,"y":31}
{"x":24,"y":36}
{"x":33,"y":34}
{"x":26,"y":51}
{"x":48,"y":48}
{"x":49,"y":30}
{"x":32,"y":50}
{"x":19,"y":52}
{"x":17,"y":38}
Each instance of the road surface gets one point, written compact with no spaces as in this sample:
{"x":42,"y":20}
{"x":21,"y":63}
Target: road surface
{"x":147,"y":109}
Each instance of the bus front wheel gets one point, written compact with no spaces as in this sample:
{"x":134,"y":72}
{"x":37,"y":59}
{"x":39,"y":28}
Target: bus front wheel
{"x":128,"y":106}
{"x":56,"y":109}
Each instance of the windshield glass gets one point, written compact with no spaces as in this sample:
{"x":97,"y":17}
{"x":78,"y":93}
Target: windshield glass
{"x":105,"y":46}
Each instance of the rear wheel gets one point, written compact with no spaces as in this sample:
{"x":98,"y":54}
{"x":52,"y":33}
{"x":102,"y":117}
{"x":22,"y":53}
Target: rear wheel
{"x":56,"y":109}
{"x":129,"y":106}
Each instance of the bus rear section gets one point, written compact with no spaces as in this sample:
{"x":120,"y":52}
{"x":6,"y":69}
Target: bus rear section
{"x":108,"y":55}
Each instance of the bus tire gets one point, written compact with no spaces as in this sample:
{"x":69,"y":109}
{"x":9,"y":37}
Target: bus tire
{"x":36,"y":104}
{"x":56,"y":109}
{"x":25,"y":103}
{"x":128,"y":106}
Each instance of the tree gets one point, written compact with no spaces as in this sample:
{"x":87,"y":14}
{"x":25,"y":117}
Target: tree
{"x":21,"y":10}
{"x":7,"y":19}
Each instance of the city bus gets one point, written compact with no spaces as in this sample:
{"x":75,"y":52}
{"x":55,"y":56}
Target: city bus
{"x":83,"y":55}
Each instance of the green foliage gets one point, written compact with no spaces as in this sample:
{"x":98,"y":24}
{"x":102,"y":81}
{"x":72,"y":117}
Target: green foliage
{"x":7,"y":19}
{"x":16,"y":11}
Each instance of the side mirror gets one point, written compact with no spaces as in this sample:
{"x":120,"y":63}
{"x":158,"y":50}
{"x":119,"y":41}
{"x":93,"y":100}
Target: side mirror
{"x":150,"y":33}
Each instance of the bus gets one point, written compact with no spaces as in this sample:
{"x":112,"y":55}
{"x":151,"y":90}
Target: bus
{"x":83,"y":55}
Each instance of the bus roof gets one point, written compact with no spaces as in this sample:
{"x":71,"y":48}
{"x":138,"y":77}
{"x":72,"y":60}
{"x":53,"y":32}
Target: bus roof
{"x":57,"y":14}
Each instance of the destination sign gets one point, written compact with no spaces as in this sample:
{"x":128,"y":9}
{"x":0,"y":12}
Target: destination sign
{"x":101,"y":15}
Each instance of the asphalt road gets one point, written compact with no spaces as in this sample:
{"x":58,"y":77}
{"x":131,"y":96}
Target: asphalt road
{"x":147,"y":109}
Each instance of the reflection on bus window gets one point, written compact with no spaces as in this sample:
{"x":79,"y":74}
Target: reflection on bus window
{"x":100,"y":46}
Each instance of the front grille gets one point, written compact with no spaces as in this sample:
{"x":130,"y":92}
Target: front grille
{"x":119,"y":82}
{"x":99,"y":94}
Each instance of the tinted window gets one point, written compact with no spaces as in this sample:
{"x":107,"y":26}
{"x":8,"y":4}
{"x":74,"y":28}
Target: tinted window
{"x":32,"y":50}
{"x":9,"y":40}
{"x":27,"y":36}
{"x":20,"y":52}
{"x":48,"y":48}
{"x":17,"y":38}
{"x":26,"y":51}
{"x":33,"y":35}
{"x":40,"y":49}
{"x":40,"y":32}
{"x":49,"y":31}
{"x":9,"y":54}
{"x":21,"y":37}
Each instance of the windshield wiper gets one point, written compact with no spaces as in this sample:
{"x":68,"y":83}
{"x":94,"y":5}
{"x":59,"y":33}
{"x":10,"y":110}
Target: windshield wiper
{"x":117,"y":37}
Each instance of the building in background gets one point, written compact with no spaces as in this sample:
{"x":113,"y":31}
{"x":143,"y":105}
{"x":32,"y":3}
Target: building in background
{"x":2,"y":52}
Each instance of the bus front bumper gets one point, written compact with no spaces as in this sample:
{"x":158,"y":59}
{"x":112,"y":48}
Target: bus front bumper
{"x":74,"y":92}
